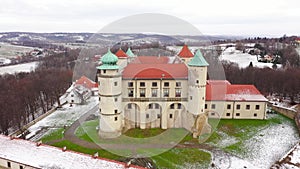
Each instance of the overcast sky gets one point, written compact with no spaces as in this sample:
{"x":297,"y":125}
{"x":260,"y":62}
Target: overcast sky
{"x":212,"y":17}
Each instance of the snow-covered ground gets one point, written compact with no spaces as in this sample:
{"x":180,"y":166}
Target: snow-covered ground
{"x":11,"y":51}
{"x":24,"y":67}
{"x":263,"y":149}
{"x":243,"y":59}
{"x":64,"y":116}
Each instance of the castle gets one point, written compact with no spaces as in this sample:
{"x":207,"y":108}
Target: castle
{"x":168,"y":92}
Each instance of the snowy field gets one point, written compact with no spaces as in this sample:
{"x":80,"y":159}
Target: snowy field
{"x":24,"y":67}
{"x":243,"y":59}
{"x":11,"y":51}
{"x":64,"y":116}
{"x":262,"y":150}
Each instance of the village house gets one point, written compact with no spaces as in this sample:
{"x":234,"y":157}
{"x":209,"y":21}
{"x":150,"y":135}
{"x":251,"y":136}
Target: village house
{"x":168,"y":92}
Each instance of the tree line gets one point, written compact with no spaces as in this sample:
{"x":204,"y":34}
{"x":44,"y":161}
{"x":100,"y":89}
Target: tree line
{"x":24,"y":94}
{"x":284,"y":82}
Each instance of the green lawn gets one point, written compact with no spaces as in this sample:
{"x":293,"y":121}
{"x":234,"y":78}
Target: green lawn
{"x":56,"y":134}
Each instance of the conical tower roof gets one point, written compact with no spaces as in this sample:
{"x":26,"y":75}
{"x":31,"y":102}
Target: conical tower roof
{"x":198,"y":60}
{"x":185,"y":52}
{"x":121,"y":54}
{"x":129,"y":53}
{"x":109,"y":61}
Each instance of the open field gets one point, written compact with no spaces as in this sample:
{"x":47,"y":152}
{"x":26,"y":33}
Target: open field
{"x":11,"y":51}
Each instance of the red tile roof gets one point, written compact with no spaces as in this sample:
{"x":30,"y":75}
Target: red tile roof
{"x":151,"y":60}
{"x":121,"y":54}
{"x":155,"y":71}
{"x":185,"y":52}
{"x":86,"y":82}
{"x":220,"y":91}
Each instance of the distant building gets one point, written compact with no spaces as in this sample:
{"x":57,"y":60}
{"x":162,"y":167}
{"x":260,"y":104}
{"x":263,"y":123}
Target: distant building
{"x":81,"y":90}
{"x":167,"y":92}
{"x":23,"y":154}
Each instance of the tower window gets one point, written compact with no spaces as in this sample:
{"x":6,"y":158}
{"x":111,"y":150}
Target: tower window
{"x":142,"y":84}
{"x":130,"y":84}
{"x":158,"y":116}
{"x":147,"y":116}
{"x":166,"y":84}
{"x":205,"y":106}
{"x":154,"y":84}
{"x":150,"y":106}
{"x":213,"y":106}
{"x":156,"y":106}
{"x":129,"y":106}
{"x":104,"y":71}
{"x":197,"y":81}
{"x":116,"y":99}
{"x":116,"y":111}
{"x":256,"y":107}
{"x":172,"y":106}
{"x":248,"y":107}
{"x":228,"y":106}
{"x":8,"y":164}
{"x":191,"y":97}
{"x":21,"y":167}
{"x":171,"y":116}
{"x":178,"y":84}
{"x":116,"y":83}
{"x":116,"y":118}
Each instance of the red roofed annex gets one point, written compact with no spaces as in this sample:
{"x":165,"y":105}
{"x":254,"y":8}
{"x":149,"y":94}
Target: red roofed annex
{"x":168,"y":92}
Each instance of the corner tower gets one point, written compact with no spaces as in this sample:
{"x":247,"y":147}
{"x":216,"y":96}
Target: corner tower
{"x":110,"y":86}
{"x":197,"y":67}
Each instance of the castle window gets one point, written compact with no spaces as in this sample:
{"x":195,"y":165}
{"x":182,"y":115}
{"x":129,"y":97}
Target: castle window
{"x":100,"y":110}
{"x":237,"y":114}
{"x":191,"y":97}
{"x":166,"y":92}
{"x":116,"y":83}
{"x":116,"y":118}
{"x":72,"y":95}
{"x":166,"y":84}
{"x":205,"y":106}
{"x":8,"y":164}
{"x":197,"y":81}
{"x":130,"y":84}
{"x":147,"y":116}
{"x":248,"y":107}
{"x":130,"y":92}
{"x":154,"y":92}
{"x":255,"y":115}
{"x":179,"y":106}
{"x":21,"y":167}
{"x":154,"y":84}
{"x":227,"y":114}
{"x":256,"y":107}
{"x":116,"y":111}
{"x":116,"y":99}
{"x":177,"y":93}
{"x":171,"y":116}
{"x":99,"y":99}
{"x":238,"y":107}
{"x":213,"y":106}
{"x":142,"y":92}
{"x":104,"y":71}
{"x":212,"y":113}
{"x":172,"y":106}
{"x":178,"y":84}
{"x":129,"y":106}
{"x":150,"y":106}
{"x":142,"y":84}
{"x":158,"y":116}
{"x":228,"y":106}
{"x":156,"y":106}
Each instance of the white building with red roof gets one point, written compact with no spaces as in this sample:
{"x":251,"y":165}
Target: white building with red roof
{"x":23,"y":154}
{"x":167,"y":92}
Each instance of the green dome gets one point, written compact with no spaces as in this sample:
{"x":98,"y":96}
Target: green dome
{"x":109,"y":61}
{"x":129,"y":53}
{"x":109,"y":58}
{"x":198,"y":60}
